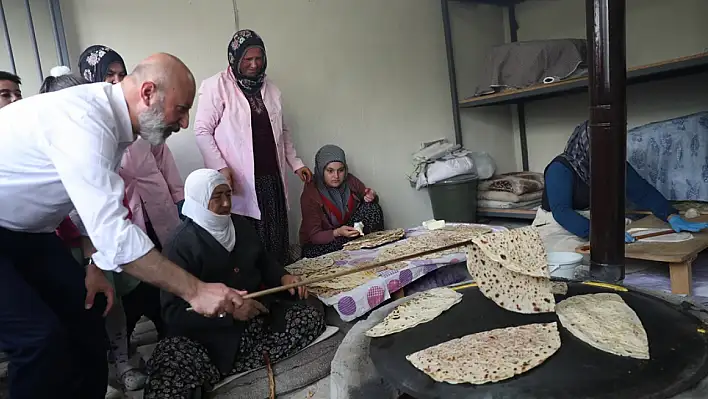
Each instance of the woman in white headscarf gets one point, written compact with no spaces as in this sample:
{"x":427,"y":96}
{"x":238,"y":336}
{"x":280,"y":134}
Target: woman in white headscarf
{"x":215,"y":245}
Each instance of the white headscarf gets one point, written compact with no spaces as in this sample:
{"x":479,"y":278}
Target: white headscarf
{"x":198,"y":189}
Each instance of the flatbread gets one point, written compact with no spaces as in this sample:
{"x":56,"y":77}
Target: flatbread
{"x":489,"y":356}
{"x":559,"y":288}
{"x":519,"y":250}
{"x":510,"y":290}
{"x":605,"y":322}
{"x":347,"y":282}
{"x":420,"y":309}
{"x":374,"y":240}
{"x":308,"y":266}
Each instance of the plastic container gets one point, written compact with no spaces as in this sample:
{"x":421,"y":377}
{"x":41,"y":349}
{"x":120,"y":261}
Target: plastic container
{"x":563,"y":264}
{"x":455,"y":199}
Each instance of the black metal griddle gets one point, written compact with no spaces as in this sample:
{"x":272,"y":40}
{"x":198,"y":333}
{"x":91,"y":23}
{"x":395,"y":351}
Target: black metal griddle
{"x":677,"y":343}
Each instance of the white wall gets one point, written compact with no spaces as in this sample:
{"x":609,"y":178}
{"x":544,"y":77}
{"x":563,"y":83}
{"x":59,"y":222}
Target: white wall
{"x":657,"y":30}
{"x":25,"y":62}
{"x":368,"y":75}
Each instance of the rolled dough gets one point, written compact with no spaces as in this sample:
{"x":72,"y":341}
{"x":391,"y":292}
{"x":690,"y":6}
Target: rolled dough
{"x":676,"y":237}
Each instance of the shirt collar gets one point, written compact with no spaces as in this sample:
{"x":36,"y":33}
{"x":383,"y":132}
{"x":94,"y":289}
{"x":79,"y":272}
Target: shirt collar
{"x":120,"y":110}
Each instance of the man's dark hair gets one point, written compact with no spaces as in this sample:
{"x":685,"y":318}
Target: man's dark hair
{"x":11,"y":77}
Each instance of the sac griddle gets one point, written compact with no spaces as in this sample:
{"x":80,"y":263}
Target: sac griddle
{"x":678,"y":347}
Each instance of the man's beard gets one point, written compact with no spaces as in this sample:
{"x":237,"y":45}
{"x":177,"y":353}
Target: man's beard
{"x":153,"y":127}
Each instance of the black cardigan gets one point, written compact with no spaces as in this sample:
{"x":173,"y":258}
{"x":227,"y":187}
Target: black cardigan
{"x":246,"y":267}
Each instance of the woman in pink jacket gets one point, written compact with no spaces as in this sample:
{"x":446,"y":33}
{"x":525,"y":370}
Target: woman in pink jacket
{"x":240,"y":132}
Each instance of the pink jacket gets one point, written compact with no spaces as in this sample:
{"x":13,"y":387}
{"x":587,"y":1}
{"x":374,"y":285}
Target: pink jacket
{"x":152,"y":186}
{"x":223,"y":131}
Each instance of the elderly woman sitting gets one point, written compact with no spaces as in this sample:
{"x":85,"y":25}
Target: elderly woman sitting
{"x":332,"y":203}
{"x":217,"y":246}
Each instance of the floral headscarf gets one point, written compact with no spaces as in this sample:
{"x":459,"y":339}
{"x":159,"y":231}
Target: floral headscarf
{"x":239,"y":44}
{"x":577,"y":151}
{"x":95,"y":60}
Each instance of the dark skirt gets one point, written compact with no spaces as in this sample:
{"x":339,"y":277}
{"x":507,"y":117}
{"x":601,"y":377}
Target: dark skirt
{"x":369,"y":213}
{"x":180,"y":368}
{"x":272,"y":228}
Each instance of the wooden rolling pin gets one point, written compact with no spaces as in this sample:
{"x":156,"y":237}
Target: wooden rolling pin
{"x":362,"y":268}
{"x":586,"y":248}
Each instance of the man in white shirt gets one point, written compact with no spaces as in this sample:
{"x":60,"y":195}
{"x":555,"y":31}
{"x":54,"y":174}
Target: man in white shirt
{"x":60,"y":151}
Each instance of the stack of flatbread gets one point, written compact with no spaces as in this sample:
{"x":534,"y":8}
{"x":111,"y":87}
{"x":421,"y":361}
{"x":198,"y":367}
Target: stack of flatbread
{"x":448,"y":235}
{"x":308,"y":266}
{"x":511,"y":269}
{"x":420,"y":309}
{"x":489,"y":356}
{"x":374,"y":240}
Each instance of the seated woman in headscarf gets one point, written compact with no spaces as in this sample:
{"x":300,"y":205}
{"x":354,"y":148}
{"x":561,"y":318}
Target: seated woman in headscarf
{"x":332,"y":203}
{"x":563,"y":217}
{"x":217,"y":246}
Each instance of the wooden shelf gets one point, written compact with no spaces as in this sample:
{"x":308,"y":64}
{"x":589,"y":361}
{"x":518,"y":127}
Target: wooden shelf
{"x":660,"y":70}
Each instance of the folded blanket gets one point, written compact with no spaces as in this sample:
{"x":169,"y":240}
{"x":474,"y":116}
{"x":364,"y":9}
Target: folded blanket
{"x":508,"y":205}
{"x":516,"y":183}
{"x":509,"y":197}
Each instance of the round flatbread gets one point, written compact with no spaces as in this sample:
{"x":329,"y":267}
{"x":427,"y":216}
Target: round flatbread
{"x":604,"y":321}
{"x":519,"y":250}
{"x":375,"y":239}
{"x":418,"y":310}
{"x":510,"y":290}
{"x":489,"y":356}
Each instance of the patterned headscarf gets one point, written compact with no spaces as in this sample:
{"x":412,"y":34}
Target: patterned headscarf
{"x":95,"y":60}
{"x":577,"y":152}
{"x":239,"y":44}
{"x":339,"y":196}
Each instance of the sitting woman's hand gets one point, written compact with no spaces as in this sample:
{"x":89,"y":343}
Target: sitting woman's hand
{"x":290,"y":279}
{"x":249,"y":310}
{"x":369,"y":195}
{"x":346,"y":231}
{"x":680,"y":224}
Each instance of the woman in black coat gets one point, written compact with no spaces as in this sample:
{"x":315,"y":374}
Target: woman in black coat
{"x":217,"y":246}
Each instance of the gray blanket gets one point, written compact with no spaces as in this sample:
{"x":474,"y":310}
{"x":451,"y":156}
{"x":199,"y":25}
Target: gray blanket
{"x":522,"y":64}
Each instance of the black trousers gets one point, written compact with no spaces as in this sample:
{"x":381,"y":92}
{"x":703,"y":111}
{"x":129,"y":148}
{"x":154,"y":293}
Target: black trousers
{"x":56,"y":347}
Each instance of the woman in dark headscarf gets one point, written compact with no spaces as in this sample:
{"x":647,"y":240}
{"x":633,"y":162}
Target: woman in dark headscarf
{"x":333,"y":203}
{"x":240,"y":132}
{"x":101,"y":64}
{"x":563,"y":218}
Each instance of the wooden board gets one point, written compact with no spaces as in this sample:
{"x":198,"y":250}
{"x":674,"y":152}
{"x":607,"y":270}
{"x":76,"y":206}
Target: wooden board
{"x":677,"y":252}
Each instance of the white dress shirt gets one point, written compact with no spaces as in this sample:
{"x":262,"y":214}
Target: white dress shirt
{"x":60,"y":151}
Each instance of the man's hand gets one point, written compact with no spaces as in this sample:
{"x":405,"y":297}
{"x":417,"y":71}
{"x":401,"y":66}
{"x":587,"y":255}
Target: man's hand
{"x":214,"y":299}
{"x":248,"y":310}
{"x":369,"y":195}
{"x":305,"y":174}
{"x":346,"y":231}
{"x":96,"y":282}
{"x":290,"y":279}
{"x":228,"y":174}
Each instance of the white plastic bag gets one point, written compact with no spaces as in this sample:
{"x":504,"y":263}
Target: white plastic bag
{"x":484,"y":164}
{"x":446,"y":168}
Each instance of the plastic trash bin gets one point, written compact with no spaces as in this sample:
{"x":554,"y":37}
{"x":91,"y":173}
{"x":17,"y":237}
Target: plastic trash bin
{"x":455,"y":199}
